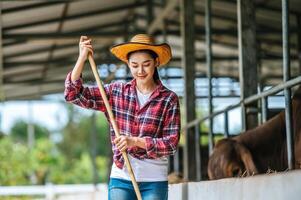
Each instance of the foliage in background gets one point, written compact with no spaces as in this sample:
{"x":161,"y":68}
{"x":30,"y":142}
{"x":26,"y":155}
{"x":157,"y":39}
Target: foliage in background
{"x":66,"y":162}
{"x":77,"y":135}
{"x":15,"y":162}
{"x":19,"y":131}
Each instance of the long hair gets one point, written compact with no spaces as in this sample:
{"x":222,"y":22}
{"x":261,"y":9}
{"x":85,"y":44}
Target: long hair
{"x":156,"y":76}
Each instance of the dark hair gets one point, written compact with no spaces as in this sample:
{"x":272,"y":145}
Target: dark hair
{"x":153,"y":54}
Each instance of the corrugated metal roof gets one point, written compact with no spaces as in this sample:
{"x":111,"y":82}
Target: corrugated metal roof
{"x":40,"y":38}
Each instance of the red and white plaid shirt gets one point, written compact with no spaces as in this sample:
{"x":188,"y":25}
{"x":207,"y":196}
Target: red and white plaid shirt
{"x":158,"y":121}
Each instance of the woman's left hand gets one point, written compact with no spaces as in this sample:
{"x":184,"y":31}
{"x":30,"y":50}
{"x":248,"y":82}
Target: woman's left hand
{"x":124,"y":142}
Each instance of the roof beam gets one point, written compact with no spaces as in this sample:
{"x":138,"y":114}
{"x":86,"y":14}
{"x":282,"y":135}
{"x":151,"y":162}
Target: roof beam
{"x":120,"y":32}
{"x":76,"y":16}
{"x":68,"y":59}
{"x":54,"y":35}
{"x":53,"y":46}
{"x":79,"y":31}
{"x":40,"y":50}
{"x":158,"y":21}
{"x":31,"y":6}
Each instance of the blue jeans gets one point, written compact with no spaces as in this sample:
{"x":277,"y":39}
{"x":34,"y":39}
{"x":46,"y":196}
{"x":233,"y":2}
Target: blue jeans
{"x":120,"y":189}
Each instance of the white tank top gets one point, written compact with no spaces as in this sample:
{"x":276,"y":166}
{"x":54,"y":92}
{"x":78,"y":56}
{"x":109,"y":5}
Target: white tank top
{"x":147,"y":169}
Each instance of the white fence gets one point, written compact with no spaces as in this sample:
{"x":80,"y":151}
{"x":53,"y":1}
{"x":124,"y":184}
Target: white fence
{"x":278,"y":186}
{"x":58,"y":192}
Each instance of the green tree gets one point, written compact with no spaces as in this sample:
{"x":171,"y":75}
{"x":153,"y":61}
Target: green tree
{"x":16,"y":163}
{"x":77,"y":144}
{"x":19,"y":131}
{"x":46,"y":158}
{"x":77,"y":133}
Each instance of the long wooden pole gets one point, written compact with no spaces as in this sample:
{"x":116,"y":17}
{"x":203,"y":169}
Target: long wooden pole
{"x":113,"y":122}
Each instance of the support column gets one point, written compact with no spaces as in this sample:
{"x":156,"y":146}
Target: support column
{"x":188,"y":64}
{"x":93,"y":150}
{"x":30,"y":127}
{"x":286,"y":77}
{"x":150,"y":12}
{"x":1,"y":70}
{"x":299,"y":40}
{"x":1,"y":59}
{"x":126,"y":27}
{"x":247,"y":60}
{"x":209,"y":71}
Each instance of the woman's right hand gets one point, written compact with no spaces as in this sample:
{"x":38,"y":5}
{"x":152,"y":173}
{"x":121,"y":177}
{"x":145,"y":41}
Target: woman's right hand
{"x":85,"y":47}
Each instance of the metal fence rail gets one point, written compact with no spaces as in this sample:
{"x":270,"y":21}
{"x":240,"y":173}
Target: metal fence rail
{"x":248,"y":100}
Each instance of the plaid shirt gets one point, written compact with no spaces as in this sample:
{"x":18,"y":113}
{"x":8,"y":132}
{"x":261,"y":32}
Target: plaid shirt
{"x":158,"y":121}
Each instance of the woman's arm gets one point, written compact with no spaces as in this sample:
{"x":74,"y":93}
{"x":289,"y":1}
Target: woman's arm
{"x":75,"y":92}
{"x":85,"y":47}
{"x":124,"y":142}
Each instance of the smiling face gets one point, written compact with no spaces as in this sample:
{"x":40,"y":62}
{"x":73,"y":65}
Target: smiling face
{"x":142,"y":66}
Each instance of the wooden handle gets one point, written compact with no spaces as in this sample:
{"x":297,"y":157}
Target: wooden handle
{"x":113,"y":122}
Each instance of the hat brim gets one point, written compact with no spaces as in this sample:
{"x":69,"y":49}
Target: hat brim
{"x":122,"y":50}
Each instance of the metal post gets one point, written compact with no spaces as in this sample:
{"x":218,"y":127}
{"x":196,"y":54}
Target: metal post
{"x":1,"y":58}
{"x":226,"y":124}
{"x":126,"y":27}
{"x":176,"y":162}
{"x":30,"y":127}
{"x":299,"y":40}
{"x":264,"y":109}
{"x":164,"y":33}
{"x":198,"y":153}
{"x":287,"y":91}
{"x":188,"y":64}
{"x":31,"y":137}
{"x":93,"y":140}
{"x":247,"y":60}
{"x":150,"y":13}
{"x":263,"y":100}
{"x":209,"y":70}
{"x":1,"y":71}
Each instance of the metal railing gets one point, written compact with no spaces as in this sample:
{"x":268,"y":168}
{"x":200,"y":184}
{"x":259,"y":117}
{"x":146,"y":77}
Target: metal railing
{"x":285,"y":86}
{"x":196,"y":124}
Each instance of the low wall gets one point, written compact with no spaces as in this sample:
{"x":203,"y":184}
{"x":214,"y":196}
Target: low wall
{"x":276,"y":186}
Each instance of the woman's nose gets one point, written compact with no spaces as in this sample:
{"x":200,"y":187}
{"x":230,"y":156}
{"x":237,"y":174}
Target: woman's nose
{"x":141,"y":70}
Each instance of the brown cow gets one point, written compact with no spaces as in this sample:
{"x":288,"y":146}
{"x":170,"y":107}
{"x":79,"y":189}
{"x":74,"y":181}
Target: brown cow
{"x":258,"y":150}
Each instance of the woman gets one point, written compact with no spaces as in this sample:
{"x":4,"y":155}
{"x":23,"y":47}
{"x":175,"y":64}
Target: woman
{"x":146,"y":112}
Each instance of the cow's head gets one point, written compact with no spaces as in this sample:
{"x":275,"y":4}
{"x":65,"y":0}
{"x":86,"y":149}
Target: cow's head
{"x":230,"y":159}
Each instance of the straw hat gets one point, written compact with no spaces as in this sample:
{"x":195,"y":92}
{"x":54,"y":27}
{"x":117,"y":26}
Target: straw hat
{"x":142,"y":42}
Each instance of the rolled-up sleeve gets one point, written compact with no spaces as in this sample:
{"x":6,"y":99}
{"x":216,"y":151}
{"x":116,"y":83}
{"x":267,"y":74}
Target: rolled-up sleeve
{"x":167,"y":144}
{"x":86,"y":97}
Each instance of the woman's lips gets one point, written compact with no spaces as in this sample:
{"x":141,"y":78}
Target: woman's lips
{"x":142,"y":77}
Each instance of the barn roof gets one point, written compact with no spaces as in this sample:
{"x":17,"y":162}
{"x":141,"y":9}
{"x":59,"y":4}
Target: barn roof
{"x":40,"y":38}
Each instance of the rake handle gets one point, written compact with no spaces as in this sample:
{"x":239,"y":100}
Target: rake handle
{"x":113,"y":122}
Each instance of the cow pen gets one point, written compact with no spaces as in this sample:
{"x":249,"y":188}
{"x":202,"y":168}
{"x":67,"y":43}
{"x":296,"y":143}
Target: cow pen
{"x":197,"y":123}
{"x":248,"y":60}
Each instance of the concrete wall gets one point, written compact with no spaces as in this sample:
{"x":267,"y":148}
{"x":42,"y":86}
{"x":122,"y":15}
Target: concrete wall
{"x":277,"y":186}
